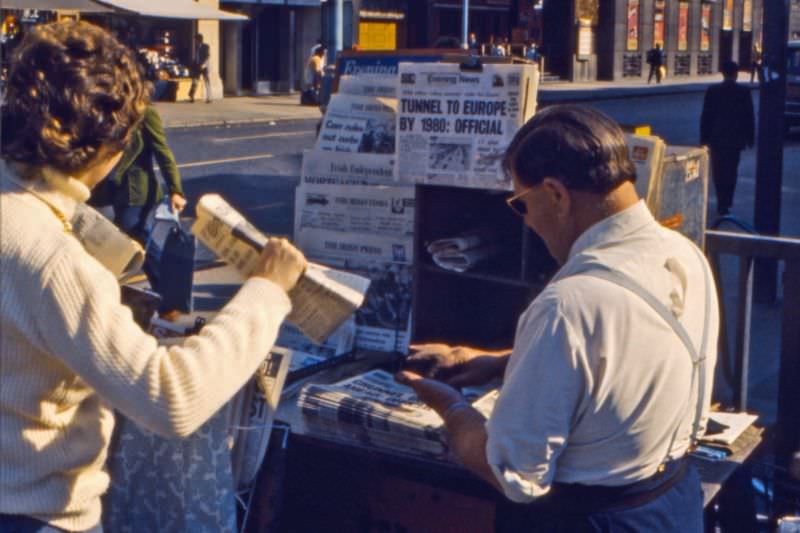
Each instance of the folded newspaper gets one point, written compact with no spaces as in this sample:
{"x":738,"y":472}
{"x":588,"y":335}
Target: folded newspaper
{"x":106,"y":242}
{"x":464,"y":252}
{"x":373,"y":409}
{"x":323,"y":297}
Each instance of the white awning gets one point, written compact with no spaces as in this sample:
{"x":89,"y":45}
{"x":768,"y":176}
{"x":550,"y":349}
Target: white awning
{"x":175,"y":9}
{"x":52,"y":5}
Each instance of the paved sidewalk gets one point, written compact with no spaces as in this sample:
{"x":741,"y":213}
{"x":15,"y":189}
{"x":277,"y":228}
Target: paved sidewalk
{"x":260,"y":109}
{"x":236,"y":110}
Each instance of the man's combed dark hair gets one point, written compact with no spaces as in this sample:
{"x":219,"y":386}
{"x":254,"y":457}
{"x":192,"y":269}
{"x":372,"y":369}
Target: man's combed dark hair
{"x":72,"y":89}
{"x":580,"y":146}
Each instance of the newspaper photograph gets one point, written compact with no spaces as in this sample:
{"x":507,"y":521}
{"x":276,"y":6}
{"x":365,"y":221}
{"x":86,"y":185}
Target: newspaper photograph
{"x":453,"y":126}
{"x":322,"y":167}
{"x":383,"y":321}
{"x":375,"y":210}
{"x":359,"y":124}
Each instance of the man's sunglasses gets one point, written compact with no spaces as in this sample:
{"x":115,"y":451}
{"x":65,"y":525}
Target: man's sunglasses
{"x":517,"y":204}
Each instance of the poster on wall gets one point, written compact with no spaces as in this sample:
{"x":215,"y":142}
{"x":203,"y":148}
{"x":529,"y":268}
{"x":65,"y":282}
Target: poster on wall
{"x":727,"y":15}
{"x":705,"y":28}
{"x":747,"y":15}
{"x":659,"y":9}
{"x":585,"y":35}
{"x":633,"y":26}
{"x":683,"y":26}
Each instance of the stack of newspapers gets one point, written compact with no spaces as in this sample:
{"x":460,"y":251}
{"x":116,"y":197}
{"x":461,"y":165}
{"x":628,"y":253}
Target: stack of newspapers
{"x":372,"y":409}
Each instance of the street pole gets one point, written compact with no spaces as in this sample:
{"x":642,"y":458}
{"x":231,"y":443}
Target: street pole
{"x":338,"y":27}
{"x":769,"y":156}
{"x":465,"y":26}
{"x":292,"y":50}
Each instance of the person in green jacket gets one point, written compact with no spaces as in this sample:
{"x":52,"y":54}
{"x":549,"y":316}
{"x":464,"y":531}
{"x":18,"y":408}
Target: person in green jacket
{"x":133,"y":188}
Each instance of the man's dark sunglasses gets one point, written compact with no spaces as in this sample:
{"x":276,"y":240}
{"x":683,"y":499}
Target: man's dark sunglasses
{"x":517,"y":204}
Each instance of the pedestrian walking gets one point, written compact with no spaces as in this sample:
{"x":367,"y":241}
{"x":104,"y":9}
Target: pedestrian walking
{"x":133,"y":190}
{"x":655,"y":58}
{"x":200,"y":69}
{"x":472,"y":43}
{"x":71,"y":351}
{"x":586,"y":434}
{"x":756,"y":62}
{"x":312,"y":78}
{"x":727,"y":126}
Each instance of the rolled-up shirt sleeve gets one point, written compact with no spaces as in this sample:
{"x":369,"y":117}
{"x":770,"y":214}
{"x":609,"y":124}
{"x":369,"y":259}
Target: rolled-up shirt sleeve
{"x":543,"y":388}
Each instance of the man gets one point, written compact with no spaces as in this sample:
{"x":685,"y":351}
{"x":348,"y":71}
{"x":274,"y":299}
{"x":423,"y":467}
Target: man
{"x":611,"y":371}
{"x":202,"y":56}
{"x":655,"y":58}
{"x":472,"y":43}
{"x":727,"y":126}
{"x":313,"y":76}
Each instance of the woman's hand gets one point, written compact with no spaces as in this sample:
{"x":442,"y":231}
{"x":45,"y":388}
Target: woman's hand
{"x":281,"y":263}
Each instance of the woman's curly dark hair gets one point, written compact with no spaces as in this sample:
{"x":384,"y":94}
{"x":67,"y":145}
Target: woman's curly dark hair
{"x":73,"y":88}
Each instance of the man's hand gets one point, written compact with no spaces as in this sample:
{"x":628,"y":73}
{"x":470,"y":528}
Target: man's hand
{"x":457,"y":366}
{"x":465,"y":425}
{"x":281,"y":263}
{"x":435,"y":394}
{"x":177,"y":202}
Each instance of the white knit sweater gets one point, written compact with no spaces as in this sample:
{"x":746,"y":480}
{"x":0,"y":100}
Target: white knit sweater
{"x":69,"y":351}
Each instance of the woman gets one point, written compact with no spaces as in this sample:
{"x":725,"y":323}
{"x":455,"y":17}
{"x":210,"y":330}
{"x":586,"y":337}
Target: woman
{"x":70,"y":351}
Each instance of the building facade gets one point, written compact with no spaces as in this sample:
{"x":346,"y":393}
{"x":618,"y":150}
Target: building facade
{"x":267,"y":53}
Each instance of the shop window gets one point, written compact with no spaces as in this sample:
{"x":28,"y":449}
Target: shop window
{"x":633,"y":26}
{"x":683,"y":26}
{"x":659,"y":15}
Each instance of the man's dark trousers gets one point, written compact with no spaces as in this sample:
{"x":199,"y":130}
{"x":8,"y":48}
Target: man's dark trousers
{"x":680,"y":508}
{"x":724,"y":171}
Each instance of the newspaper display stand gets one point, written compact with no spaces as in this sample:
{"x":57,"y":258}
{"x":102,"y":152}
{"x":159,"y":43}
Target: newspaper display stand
{"x":679,"y":196}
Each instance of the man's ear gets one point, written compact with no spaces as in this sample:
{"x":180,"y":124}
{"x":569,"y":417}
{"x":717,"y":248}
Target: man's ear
{"x":559,"y":196}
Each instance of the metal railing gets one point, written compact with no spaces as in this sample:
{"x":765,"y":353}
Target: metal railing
{"x":749,"y":249}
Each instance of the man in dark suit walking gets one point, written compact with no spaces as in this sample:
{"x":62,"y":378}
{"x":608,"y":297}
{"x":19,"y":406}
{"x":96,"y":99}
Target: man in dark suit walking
{"x":727,"y":126}
{"x":202,"y":56}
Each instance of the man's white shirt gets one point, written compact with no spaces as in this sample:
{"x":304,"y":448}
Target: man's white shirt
{"x":598,"y":382}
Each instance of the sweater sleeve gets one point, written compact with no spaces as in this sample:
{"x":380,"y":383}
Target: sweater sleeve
{"x":171,"y":391}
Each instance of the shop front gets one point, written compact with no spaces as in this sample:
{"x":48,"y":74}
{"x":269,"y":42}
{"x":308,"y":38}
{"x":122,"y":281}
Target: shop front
{"x":162,"y":34}
{"x":696,"y":36}
{"x":267,"y":54}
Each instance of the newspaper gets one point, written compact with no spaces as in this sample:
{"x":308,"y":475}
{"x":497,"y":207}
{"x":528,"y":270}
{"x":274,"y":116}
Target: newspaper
{"x":384,"y":320}
{"x":253,"y":415}
{"x":454,"y":125}
{"x":369,"y":85}
{"x":322,"y":167}
{"x":375,"y":210}
{"x":358,"y":124}
{"x":120,"y":254}
{"x":680,"y":195}
{"x":647,"y":153}
{"x":373,"y":409}
{"x":323,"y":297}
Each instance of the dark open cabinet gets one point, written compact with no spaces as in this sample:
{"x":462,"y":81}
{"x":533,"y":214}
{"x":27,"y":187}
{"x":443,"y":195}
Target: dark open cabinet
{"x":479,"y":307}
